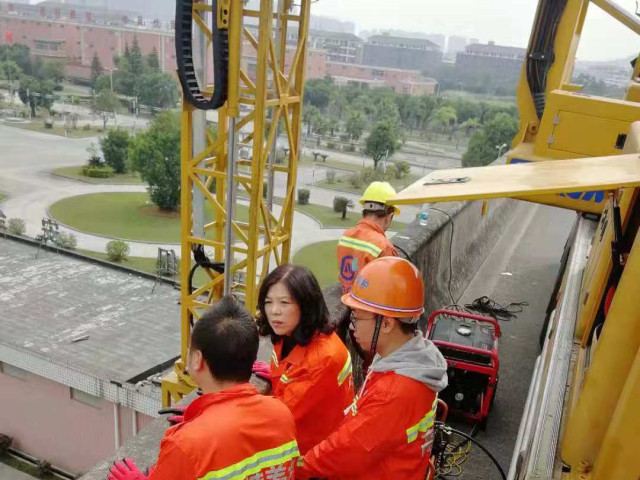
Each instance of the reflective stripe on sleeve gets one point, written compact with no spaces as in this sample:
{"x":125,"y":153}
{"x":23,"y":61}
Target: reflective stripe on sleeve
{"x":346,"y":371}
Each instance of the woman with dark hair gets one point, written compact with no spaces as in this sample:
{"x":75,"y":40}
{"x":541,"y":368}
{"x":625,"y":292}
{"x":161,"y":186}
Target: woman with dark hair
{"x":310,"y":366}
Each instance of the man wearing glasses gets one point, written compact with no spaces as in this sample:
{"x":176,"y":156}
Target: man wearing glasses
{"x":388,"y":430}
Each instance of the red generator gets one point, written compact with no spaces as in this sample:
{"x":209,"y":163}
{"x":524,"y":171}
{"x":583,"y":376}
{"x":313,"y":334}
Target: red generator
{"x":469,"y":343}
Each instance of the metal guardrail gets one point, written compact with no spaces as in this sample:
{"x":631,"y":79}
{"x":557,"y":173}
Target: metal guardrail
{"x":534,"y":456}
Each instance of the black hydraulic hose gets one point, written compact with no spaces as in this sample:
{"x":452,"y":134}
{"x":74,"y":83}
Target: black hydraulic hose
{"x":186,"y":62}
{"x":473,"y":440}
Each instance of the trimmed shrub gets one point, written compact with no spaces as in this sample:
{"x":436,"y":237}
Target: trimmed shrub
{"x":98,"y":172}
{"x":303,"y":196}
{"x":356,"y":180}
{"x":16,"y":226}
{"x":117,"y":250}
{"x":331,"y":176}
{"x":67,"y":240}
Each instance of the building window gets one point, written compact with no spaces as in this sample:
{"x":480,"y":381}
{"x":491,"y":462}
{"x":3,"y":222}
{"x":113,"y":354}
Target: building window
{"x":86,"y":398}
{"x":14,"y":372}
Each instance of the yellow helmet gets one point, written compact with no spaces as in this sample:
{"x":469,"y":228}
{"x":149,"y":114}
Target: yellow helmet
{"x":376,"y":195}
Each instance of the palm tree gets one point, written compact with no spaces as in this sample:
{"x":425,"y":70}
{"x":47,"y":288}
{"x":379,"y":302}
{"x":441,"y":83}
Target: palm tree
{"x":341,"y":204}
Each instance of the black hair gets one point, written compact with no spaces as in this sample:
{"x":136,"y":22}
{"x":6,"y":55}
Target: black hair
{"x":228,"y":339}
{"x":408,"y":328}
{"x":378,"y":213}
{"x":306,"y":292}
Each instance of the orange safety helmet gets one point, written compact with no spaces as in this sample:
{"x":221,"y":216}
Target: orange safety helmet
{"x":388,"y":286}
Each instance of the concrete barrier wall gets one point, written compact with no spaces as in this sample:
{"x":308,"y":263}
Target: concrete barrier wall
{"x":431,"y":247}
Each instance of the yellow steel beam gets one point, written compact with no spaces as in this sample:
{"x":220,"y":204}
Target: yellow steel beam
{"x":524,"y":180}
{"x":619,"y":13}
{"x":619,"y":457}
{"x":607,"y":373}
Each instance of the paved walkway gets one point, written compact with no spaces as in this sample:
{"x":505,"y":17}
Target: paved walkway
{"x":28,"y":158}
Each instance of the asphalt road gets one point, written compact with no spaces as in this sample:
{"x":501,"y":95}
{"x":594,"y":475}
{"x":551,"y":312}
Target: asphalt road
{"x":522,"y":267}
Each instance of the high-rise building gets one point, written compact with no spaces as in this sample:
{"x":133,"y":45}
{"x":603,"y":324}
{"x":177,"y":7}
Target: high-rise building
{"x":455,"y":44}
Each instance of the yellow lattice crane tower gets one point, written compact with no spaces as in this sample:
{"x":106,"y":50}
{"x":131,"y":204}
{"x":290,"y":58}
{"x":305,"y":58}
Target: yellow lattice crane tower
{"x":248,"y":67}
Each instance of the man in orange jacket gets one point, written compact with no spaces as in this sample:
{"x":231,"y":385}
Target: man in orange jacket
{"x":367,"y":240}
{"x":231,"y":431}
{"x":387,"y":431}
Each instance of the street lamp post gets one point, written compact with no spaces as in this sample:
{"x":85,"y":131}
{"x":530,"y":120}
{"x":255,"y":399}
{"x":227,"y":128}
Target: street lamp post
{"x":115,"y":115}
{"x":500,"y":148}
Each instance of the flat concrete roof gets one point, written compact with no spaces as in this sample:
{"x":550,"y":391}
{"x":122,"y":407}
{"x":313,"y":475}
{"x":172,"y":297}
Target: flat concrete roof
{"x":48,"y":305}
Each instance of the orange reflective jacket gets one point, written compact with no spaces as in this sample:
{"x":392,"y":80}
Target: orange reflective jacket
{"x":383,"y":436}
{"x":358,"y":246}
{"x":237,"y":433}
{"x":315,"y":383}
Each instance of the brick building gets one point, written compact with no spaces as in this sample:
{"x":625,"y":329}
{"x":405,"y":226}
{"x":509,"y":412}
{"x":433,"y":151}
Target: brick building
{"x":74,"y":36}
{"x":401,"y":81}
{"x":403,"y":53}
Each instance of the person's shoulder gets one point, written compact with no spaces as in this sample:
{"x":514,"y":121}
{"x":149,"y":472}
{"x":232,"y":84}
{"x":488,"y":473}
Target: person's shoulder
{"x":402,"y":389}
{"x":328,"y":347}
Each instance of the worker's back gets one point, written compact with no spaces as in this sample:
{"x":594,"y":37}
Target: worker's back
{"x":232,"y":434}
{"x":358,"y":246}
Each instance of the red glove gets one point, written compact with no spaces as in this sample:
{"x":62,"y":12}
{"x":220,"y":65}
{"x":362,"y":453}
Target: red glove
{"x":262,"y":370}
{"x":177,"y":412}
{"x":125,"y":471}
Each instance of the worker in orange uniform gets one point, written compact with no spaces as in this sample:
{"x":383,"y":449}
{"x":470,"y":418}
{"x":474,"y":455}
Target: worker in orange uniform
{"x":367,"y":240}
{"x":230,"y":431}
{"x":310,"y":366}
{"x":388,"y":431}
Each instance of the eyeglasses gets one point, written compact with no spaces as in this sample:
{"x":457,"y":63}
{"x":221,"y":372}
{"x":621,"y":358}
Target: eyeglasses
{"x":353,"y":319}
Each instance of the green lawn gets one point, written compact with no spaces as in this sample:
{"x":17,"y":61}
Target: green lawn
{"x":320,"y":258}
{"x":342,"y":183}
{"x":130,"y":216}
{"x":2,"y":196}
{"x":132,"y":178}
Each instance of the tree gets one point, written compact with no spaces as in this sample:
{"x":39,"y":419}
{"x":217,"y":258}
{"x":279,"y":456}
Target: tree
{"x":103,"y":82}
{"x":482,"y":147}
{"x":386,"y":110}
{"x":96,"y":70}
{"x":153,"y":61}
{"x":444,"y":117}
{"x":136,"y":66}
{"x":158,"y":90}
{"x":36,"y":93}
{"x":427,"y":106}
{"x":382,"y":141}
{"x":18,"y":53}
{"x":341,"y":204}
{"x":115,"y":146}
{"x":469,"y":126}
{"x":10,"y":70}
{"x":155,"y":153}
{"x":310,"y":116}
{"x":49,"y":70}
{"x":355,"y":125}
{"x":105,"y":104}
{"x":318,"y":92}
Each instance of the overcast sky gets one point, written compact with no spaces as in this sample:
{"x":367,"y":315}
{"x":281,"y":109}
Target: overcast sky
{"x":507,"y":22}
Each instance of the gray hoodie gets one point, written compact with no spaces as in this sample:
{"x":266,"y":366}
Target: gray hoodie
{"x":418,"y":359}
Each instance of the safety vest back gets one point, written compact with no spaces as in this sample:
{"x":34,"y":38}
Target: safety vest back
{"x":358,"y":246}
{"x":234,"y":434}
